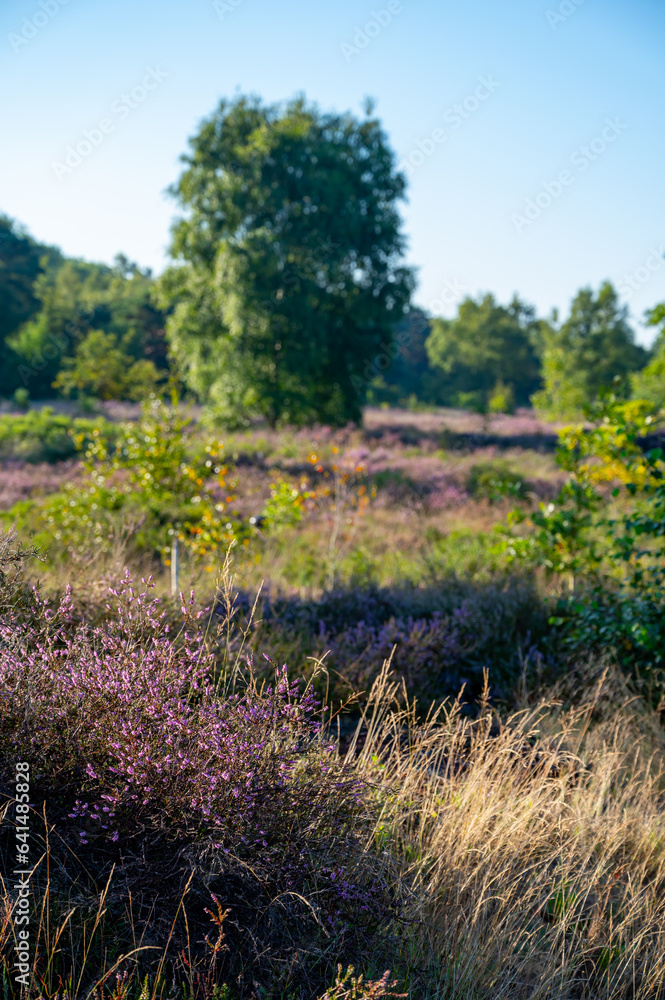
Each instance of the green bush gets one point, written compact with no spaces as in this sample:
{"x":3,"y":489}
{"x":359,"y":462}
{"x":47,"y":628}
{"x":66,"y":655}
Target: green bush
{"x":45,"y":436}
{"x":501,"y":399}
{"x":155,"y":482}
{"x":603,"y":539}
{"x":22,"y":398}
{"x":495,"y":481}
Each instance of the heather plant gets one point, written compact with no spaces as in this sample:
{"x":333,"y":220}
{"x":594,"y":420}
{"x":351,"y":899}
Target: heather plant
{"x":430,"y":655}
{"x":20,"y":481}
{"x":138,"y":748}
{"x":439,"y":637}
{"x":155,"y":696}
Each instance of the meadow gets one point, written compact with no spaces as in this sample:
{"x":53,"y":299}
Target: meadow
{"x":401,"y":713}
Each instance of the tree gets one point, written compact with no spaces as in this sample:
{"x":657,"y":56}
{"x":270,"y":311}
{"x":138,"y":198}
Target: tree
{"x":76,"y":297}
{"x":594,"y":346}
{"x":287,"y":280}
{"x":649,"y":383}
{"x":101,"y":367}
{"x":22,"y":260}
{"x":405,"y":374}
{"x":487,"y":348}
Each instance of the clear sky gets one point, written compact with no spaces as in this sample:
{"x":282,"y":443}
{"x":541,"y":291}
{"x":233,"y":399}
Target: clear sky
{"x":540,"y":125}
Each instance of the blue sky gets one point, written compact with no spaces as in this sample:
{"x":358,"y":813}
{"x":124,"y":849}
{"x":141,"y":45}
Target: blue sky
{"x":532,"y":130}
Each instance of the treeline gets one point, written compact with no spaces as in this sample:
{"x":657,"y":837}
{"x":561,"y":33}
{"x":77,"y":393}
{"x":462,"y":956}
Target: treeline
{"x":288,"y":297}
{"x":89,"y":331}
{"x":492,"y":357}
{"x":72,"y":328}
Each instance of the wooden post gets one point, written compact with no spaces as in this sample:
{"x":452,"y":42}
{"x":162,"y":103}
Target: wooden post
{"x":174,"y":567}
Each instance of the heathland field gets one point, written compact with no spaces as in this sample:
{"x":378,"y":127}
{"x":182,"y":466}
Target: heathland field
{"x":397,"y":707}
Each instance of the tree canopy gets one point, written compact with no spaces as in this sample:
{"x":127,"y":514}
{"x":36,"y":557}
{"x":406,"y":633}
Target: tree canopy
{"x":288,"y":278}
{"x":649,"y":383}
{"x":73,"y":299}
{"x":487,"y":347}
{"x":593,"y":347}
{"x":22,"y":260}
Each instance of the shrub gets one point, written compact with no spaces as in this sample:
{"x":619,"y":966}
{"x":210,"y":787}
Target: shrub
{"x":501,"y":399}
{"x":154,"y":481}
{"x":604,"y":537}
{"x":495,"y":481}
{"x":103,"y":368}
{"x":444,"y":633}
{"x":473,"y":855}
{"x":22,"y":398}
{"x":44,"y":436}
{"x":149,"y":726}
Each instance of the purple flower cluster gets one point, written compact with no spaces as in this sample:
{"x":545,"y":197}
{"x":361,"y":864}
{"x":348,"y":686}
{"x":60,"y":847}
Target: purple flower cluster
{"x":127,"y":717}
{"x":20,"y":480}
{"x":428,"y":652}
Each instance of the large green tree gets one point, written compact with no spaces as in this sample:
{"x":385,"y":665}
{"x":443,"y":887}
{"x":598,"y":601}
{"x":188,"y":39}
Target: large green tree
{"x":593,"y":347}
{"x":486,"y":347}
{"x":288,"y":279}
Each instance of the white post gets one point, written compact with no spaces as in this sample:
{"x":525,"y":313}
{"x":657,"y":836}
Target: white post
{"x":174,"y":567}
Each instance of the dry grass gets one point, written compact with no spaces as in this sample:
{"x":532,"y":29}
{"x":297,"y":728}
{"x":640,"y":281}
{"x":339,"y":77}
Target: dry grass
{"x":538,"y":844}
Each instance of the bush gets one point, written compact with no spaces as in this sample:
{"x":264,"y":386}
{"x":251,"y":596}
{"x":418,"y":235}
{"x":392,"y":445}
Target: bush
{"x":103,"y":368}
{"x":44,"y":436}
{"x":154,"y":481}
{"x":237,"y":852}
{"x":443,"y":634}
{"x":495,"y":481}
{"x":22,"y":398}
{"x":501,"y":399}
{"x":604,"y":537}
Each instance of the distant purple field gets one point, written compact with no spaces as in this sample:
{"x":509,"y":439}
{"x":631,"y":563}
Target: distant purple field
{"x":20,"y":480}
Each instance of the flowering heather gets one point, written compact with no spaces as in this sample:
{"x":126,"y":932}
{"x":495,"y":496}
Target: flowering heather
{"x":429,"y":654}
{"x":142,"y":755}
{"x":522,"y":422}
{"x":444,"y":633}
{"x":19,"y":480}
{"x":125,"y":717}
